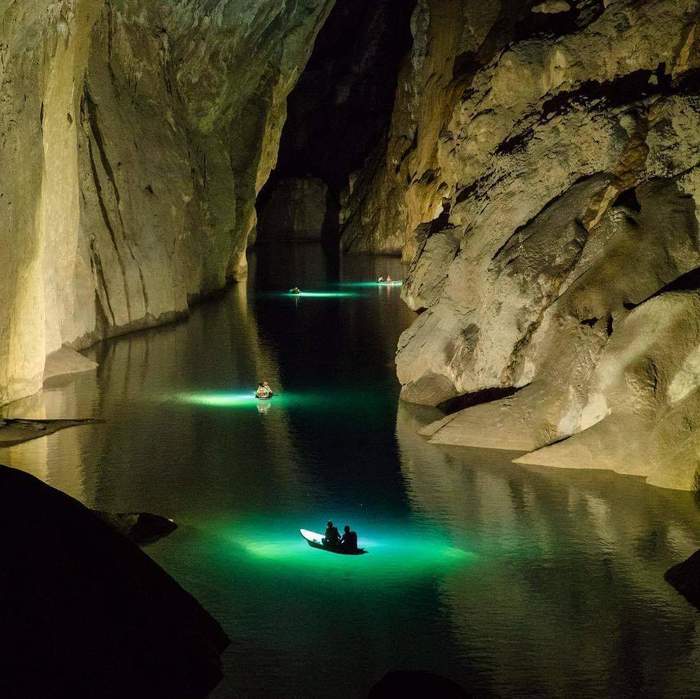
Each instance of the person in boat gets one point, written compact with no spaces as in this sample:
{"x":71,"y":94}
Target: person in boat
{"x":349,"y":540}
{"x":264,"y":391}
{"x":332,"y":537}
{"x":380,"y":280}
{"x":295,"y":290}
{"x":388,"y":279}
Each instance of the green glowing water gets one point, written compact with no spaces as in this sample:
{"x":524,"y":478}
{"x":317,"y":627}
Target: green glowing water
{"x":317,"y":295}
{"x":392,"y":553}
{"x":513,"y":582}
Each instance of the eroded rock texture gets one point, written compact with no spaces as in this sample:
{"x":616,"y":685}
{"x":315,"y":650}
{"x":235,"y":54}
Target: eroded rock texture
{"x":542,"y":172}
{"x":134,"y":138}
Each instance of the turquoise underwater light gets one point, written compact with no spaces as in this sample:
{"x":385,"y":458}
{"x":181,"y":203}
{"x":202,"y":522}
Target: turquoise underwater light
{"x":392,"y":552}
{"x":233,"y":399}
{"x":345,"y":400}
{"x":321,"y":295}
{"x":371,"y":285}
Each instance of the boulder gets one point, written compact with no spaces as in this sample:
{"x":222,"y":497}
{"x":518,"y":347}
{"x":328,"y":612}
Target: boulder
{"x":85,"y":613}
{"x":140,"y":527}
{"x":685,"y":577}
{"x":404,"y":683}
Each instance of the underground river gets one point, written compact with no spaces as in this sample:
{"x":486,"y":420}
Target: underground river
{"x":511,"y":581}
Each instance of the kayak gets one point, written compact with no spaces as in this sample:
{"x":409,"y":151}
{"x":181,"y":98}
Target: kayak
{"x":315,"y":540}
{"x":267,"y":397}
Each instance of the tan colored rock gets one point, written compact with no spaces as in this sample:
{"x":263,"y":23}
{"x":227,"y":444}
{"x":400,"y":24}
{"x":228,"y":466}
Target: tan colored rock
{"x":561,"y":196}
{"x":552,"y":7}
{"x":65,"y":362}
{"x":134,"y":138}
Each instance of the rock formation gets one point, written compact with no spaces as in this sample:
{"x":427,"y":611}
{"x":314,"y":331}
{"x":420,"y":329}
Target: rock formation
{"x":134,"y":137}
{"x":17,"y":430}
{"x":338,"y":114}
{"x":85,"y":613}
{"x":542,"y":173}
{"x":142,"y":528}
{"x":685,"y":577}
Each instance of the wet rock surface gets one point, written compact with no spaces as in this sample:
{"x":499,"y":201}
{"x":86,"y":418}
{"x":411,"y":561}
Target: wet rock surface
{"x":85,"y":613}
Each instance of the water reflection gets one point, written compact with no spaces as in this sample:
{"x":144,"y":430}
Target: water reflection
{"x":568,"y":598}
{"x":513,"y":581}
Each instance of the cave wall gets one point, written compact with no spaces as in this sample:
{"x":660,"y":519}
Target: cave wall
{"x":338,"y":114}
{"x":134,"y":138}
{"x":542,"y":175}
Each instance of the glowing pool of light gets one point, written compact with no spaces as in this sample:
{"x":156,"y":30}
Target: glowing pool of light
{"x":371,"y":285}
{"x":336,"y":401}
{"x":313,"y":295}
{"x":392,"y":552}
{"x":223,"y":399}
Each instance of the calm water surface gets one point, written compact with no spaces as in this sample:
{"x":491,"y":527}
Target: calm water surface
{"x":514,"y":582}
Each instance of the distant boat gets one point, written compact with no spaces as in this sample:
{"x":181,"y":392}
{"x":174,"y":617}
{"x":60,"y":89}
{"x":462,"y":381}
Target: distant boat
{"x":315,"y":540}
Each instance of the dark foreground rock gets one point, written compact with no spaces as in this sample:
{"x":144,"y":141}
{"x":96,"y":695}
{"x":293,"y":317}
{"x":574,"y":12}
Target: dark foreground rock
{"x":416,"y":683}
{"x":685,"y":577}
{"x":140,"y":527}
{"x":85,"y":613}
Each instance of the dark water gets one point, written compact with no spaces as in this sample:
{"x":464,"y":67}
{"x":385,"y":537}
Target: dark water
{"x":512,"y":581}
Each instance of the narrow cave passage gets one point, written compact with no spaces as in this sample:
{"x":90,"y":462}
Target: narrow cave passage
{"x":338,"y":114}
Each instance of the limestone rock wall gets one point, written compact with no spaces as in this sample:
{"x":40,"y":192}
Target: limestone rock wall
{"x":542,"y":174}
{"x":134,"y":137}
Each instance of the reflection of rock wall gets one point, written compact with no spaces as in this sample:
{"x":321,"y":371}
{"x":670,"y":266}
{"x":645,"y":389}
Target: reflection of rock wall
{"x":134,"y":137}
{"x":568,"y":572}
{"x":544,"y":167}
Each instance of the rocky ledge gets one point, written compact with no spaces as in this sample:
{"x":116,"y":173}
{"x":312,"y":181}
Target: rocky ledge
{"x":85,"y":613}
{"x":18,"y":430}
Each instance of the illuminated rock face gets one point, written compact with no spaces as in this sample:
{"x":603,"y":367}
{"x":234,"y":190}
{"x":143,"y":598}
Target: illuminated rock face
{"x":542,"y":174}
{"x":134,"y":137}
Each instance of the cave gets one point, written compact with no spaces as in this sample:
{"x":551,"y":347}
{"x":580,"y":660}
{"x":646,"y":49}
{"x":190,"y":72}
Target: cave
{"x":349,"y":347}
{"x":338,"y":115}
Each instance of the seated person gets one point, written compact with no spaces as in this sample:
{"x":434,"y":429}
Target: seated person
{"x":295,"y":290}
{"x":349,"y":540}
{"x":263,"y":391}
{"x":380,"y":280}
{"x":332,"y":537}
